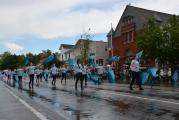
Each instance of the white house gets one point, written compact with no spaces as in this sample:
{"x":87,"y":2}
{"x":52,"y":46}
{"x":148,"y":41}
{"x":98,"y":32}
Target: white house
{"x":65,"y":53}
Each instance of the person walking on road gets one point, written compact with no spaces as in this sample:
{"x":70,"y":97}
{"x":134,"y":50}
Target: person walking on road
{"x":31,"y":71}
{"x":84,"y":72}
{"x":79,"y":76}
{"x":20,"y":73}
{"x":135,"y":71}
{"x":37,"y":72}
{"x":54,"y":70}
{"x":46,"y":73}
{"x":64,"y":74}
{"x":14,"y":74}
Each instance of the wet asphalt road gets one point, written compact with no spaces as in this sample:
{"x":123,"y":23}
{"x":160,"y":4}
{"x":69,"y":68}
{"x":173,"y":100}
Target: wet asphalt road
{"x":103,"y":102}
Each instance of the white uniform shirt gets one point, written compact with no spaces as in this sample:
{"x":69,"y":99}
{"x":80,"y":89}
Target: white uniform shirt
{"x":20,"y":72}
{"x":31,"y":70}
{"x":134,"y":66}
{"x":54,"y":70}
{"x":77,"y":69}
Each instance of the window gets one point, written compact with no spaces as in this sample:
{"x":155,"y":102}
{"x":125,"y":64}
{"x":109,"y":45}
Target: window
{"x":127,"y":20}
{"x":106,"y":48}
{"x":128,"y":37}
{"x":100,"y":62}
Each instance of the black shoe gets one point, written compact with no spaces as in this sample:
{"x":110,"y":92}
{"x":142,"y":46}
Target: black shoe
{"x":130,"y":88}
{"x":141,"y":88}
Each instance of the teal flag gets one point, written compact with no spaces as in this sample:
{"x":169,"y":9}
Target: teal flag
{"x":153,"y":72}
{"x":92,"y":61}
{"x":111,"y":76}
{"x":175,"y":76}
{"x":114,"y":59}
{"x":50,"y":58}
{"x":72,"y":62}
{"x":139,"y":55}
{"x":95,"y":79}
{"x":144,"y":77}
{"x":26,"y":61}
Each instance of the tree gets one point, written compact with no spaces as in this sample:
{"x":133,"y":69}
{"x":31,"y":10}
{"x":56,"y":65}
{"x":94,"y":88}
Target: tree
{"x":150,"y":39}
{"x":171,"y":39}
{"x":9,"y":61}
{"x":160,"y":42}
{"x":35,"y":59}
{"x":85,"y":50}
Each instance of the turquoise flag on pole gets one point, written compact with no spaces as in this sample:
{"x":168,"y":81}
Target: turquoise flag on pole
{"x":50,"y":58}
{"x":139,"y":55}
{"x":26,"y":61}
{"x":92,"y":61}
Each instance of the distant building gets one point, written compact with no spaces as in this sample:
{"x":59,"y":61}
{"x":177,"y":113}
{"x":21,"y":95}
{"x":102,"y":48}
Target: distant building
{"x":64,"y":52}
{"x":97,"y":48}
{"x":132,"y":20}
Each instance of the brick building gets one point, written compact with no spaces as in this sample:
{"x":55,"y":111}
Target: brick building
{"x":124,"y":36}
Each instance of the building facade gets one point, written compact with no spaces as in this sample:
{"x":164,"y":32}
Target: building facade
{"x":84,"y":48}
{"x":65,"y":52}
{"x":132,"y":20}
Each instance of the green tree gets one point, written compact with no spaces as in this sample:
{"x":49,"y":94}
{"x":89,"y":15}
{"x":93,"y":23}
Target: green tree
{"x":35,"y":59}
{"x":150,"y":39}
{"x":85,"y":51}
{"x":160,"y":42}
{"x":171,"y":39}
{"x":9,"y":61}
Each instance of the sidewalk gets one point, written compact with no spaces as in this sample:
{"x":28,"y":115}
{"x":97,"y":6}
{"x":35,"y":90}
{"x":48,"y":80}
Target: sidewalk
{"x":12,"y":108}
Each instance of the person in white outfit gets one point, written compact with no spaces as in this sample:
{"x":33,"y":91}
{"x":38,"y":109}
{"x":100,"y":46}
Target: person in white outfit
{"x":54,"y":71}
{"x":135,"y":71}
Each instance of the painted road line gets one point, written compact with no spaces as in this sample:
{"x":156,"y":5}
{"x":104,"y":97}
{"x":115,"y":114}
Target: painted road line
{"x":38,"y":114}
{"x":143,"y":98}
{"x":137,"y":97}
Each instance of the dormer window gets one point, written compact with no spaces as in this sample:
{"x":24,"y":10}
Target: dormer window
{"x":127,"y":20}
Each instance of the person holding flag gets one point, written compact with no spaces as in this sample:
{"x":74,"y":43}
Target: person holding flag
{"x":135,"y":71}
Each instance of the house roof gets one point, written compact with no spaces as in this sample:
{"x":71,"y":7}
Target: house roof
{"x":66,"y":46}
{"x":110,"y":32}
{"x":140,"y":17}
{"x":83,"y":40}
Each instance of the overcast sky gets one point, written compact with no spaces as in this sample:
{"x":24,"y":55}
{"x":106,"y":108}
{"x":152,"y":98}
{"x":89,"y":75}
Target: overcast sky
{"x":35,"y":25}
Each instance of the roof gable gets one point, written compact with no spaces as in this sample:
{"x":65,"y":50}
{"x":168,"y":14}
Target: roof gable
{"x":140,"y":17}
{"x":66,"y":46}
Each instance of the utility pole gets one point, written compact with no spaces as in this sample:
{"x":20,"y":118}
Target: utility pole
{"x":111,"y":42}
